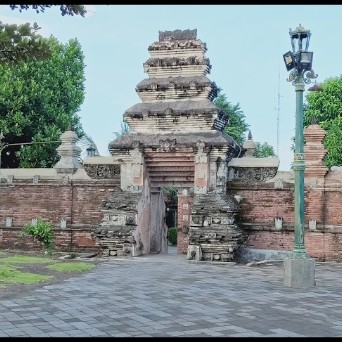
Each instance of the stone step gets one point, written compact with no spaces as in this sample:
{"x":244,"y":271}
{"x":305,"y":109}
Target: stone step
{"x":173,"y":184}
{"x":171,"y":168}
{"x":173,"y":178}
{"x":170,"y":162}
{"x":170,"y":173}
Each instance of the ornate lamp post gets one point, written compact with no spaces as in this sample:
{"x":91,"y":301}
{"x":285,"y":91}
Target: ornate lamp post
{"x":299,"y":269}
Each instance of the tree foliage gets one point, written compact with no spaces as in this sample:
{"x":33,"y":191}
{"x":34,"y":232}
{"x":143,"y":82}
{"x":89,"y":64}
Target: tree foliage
{"x":65,"y":9}
{"x":325,"y":108}
{"x":39,"y":100}
{"x":263,"y":150}
{"x":22,"y":42}
{"x":237,"y":126}
{"x":171,"y":196}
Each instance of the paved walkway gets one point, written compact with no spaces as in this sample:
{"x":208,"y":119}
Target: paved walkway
{"x":166,"y":295}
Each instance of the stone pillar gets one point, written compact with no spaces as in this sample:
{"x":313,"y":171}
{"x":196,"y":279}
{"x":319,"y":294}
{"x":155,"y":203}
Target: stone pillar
{"x":69,"y":153}
{"x":201,"y":170}
{"x":158,"y":229}
{"x":218,"y":174}
{"x":183,"y":224}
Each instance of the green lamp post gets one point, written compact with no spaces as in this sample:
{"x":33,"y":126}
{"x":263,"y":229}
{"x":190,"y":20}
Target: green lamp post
{"x":299,"y":268}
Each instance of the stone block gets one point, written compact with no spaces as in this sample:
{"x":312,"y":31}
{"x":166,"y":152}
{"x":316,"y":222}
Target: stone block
{"x":194,"y":253}
{"x":312,"y":224}
{"x":63,"y":223}
{"x":299,"y":273}
{"x":9,"y":221}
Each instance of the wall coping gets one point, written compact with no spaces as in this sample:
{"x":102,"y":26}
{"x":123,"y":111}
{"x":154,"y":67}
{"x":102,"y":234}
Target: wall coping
{"x":43,"y":173}
{"x":254,"y":162}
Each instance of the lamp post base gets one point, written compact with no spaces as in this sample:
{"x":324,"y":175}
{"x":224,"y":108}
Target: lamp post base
{"x":299,"y":273}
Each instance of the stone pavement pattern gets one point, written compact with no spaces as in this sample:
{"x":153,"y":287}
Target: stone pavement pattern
{"x":168,"y":296}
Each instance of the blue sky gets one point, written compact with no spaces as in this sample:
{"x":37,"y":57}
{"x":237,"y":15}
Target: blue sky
{"x":245,"y":45}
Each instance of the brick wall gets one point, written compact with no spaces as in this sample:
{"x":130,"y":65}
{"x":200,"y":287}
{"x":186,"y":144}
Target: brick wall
{"x":78,"y":202}
{"x":262,"y":203}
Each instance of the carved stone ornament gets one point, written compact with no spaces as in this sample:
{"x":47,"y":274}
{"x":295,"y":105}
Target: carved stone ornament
{"x":172,"y":44}
{"x":260,"y":174}
{"x":176,"y":61}
{"x":97,"y":171}
{"x":177,"y":35}
{"x":167,"y":145}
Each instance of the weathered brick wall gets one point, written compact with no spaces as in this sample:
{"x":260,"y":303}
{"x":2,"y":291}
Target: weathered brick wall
{"x":263,"y":202}
{"x":78,"y":202}
{"x":333,"y":207}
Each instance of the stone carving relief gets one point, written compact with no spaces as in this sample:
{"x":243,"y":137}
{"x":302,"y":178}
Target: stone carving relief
{"x":175,"y":61}
{"x":97,"y":171}
{"x":201,"y":153}
{"x":260,"y":174}
{"x":178,"y":35}
{"x":200,"y":189}
{"x":167,"y":145}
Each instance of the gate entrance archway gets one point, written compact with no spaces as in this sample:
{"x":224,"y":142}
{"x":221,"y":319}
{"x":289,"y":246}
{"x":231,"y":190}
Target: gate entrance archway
{"x":176,"y":138}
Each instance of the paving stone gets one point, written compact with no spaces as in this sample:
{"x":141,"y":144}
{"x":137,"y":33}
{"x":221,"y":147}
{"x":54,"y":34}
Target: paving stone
{"x":168,"y":296}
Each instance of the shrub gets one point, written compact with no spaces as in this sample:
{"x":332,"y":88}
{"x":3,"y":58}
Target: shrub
{"x":42,"y":231}
{"x":172,"y":235}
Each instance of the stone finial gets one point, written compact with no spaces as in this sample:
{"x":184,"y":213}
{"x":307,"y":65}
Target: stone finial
{"x":314,"y":151}
{"x":178,"y":35}
{"x":69,"y":153}
{"x":249,"y":145}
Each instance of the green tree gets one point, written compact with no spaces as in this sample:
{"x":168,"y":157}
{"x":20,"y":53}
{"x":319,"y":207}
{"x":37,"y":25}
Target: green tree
{"x":171,"y":195}
{"x":263,"y":150}
{"x":325,"y":108}
{"x":65,"y":9}
{"x":237,"y":126}
{"x":39,"y":100}
{"x":22,"y":42}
